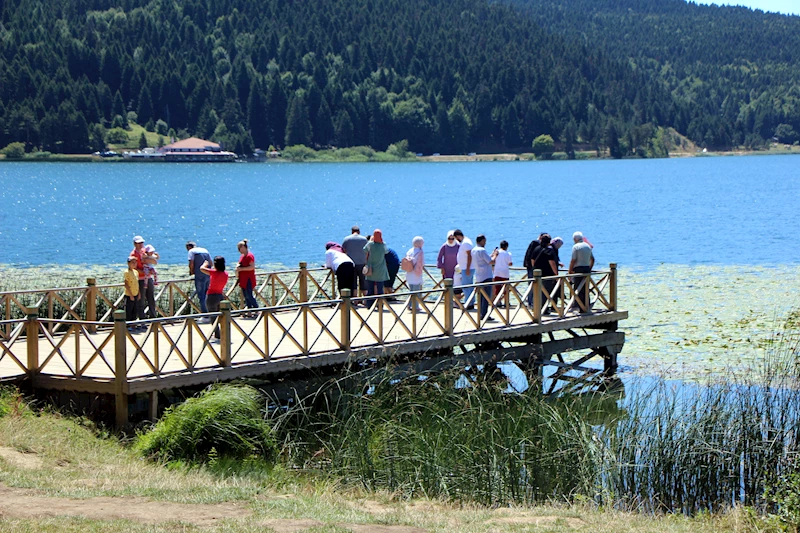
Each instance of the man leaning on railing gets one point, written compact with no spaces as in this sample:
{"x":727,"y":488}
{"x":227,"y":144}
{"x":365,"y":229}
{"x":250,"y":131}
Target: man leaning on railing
{"x":581,"y":263}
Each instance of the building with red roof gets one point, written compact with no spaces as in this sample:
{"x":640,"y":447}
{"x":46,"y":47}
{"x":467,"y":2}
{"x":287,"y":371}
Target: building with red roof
{"x":196,"y":150}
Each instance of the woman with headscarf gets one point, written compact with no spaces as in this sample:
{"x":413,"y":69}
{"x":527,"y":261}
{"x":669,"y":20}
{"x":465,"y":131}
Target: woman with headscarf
{"x":448,"y":257}
{"x":417,"y":258}
{"x":342,"y":266}
{"x":376,"y":270}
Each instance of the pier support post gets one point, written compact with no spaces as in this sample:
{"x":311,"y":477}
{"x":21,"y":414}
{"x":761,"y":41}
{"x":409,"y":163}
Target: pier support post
{"x":303,"y":281}
{"x":152,"y":410}
{"x":612,"y":287}
{"x":91,"y":304}
{"x":347,"y":305}
{"x":32,"y":340}
{"x":609,"y":354}
{"x":449,"y":301}
{"x":537,"y":296}
{"x":225,"y":332}
{"x":120,"y":369}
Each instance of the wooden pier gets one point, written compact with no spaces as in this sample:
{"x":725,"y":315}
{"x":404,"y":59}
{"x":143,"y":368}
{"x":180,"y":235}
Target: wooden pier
{"x":76,"y":339}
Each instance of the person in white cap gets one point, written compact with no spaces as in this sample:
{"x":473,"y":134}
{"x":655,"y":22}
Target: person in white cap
{"x":138,"y":253}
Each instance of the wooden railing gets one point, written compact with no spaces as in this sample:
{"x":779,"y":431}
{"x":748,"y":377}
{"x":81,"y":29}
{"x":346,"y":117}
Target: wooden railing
{"x":175,"y":297}
{"x":305,"y":321}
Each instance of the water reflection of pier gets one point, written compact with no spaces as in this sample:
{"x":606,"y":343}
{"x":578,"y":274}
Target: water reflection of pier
{"x":83,"y":344}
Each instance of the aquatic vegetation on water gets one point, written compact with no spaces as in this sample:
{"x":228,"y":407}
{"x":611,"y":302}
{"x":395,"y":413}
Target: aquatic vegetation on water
{"x":698,"y":321}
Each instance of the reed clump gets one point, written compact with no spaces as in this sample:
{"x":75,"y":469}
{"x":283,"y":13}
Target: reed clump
{"x":667,"y":446}
{"x":223,"y":421}
{"x":427,"y":438}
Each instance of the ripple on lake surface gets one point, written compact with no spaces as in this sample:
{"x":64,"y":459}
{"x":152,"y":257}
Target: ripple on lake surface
{"x":730,"y":210}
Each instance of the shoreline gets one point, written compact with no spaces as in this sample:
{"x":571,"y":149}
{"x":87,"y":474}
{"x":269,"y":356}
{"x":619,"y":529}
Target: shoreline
{"x":477,"y":158}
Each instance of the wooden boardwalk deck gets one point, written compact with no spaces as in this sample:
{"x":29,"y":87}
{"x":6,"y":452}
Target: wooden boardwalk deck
{"x":307,"y":329}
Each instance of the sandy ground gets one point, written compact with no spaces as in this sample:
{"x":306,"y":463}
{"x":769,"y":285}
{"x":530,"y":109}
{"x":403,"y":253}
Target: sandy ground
{"x":20,"y":503}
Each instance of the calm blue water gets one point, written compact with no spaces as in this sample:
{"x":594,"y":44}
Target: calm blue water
{"x":727,"y":210}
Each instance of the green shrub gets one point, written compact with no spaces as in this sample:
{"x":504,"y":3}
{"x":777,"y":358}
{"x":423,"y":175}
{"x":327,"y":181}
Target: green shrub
{"x":784,"y":496}
{"x":543,"y":146}
{"x":223,"y":421}
{"x":117,"y":136}
{"x":299,"y":152}
{"x":399,"y":150}
{"x":11,"y":402}
{"x":14,"y":151}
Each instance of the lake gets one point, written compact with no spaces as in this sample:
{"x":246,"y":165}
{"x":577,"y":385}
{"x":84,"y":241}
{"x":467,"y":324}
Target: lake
{"x":702,"y":242}
{"x":642,"y":213}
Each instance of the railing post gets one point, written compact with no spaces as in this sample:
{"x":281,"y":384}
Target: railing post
{"x":50,"y":306}
{"x":449,"y":300}
{"x":537,"y":296}
{"x":507,"y":299}
{"x":612,"y":287}
{"x":91,"y":304}
{"x":171,"y":299}
{"x":333,"y":284}
{"x":32,"y":340}
{"x":120,"y":369}
{"x":303,"y":281}
{"x":345,"y":315}
{"x":225,"y":332}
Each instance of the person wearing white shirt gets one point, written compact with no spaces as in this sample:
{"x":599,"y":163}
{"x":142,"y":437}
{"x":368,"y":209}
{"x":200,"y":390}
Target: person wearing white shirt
{"x":342,"y":266}
{"x":467,"y":273}
{"x":483,"y":272}
{"x":502,"y":264}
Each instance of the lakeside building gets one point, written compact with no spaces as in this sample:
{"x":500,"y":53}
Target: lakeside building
{"x":194,"y":149}
{"x":188,"y":150}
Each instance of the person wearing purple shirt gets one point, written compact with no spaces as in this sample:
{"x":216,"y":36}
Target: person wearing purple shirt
{"x":448,"y":257}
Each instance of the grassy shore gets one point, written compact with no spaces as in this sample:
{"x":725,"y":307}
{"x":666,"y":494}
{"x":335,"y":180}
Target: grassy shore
{"x":63,"y":474}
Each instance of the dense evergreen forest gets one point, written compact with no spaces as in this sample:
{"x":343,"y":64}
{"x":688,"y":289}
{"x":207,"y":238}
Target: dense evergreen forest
{"x":452,"y":77}
{"x":738,"y":69}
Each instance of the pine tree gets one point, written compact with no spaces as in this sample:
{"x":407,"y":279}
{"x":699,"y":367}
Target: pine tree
{"x":298,"y":125}
{"x":343,"y":129}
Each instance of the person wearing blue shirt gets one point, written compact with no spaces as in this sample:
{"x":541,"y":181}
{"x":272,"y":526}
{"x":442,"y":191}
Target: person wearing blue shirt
{"x":393,"y":266}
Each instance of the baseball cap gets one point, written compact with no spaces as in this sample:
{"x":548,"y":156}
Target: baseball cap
{"x":138,"y":238}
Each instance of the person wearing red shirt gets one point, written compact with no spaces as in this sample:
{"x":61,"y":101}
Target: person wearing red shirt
{"x":246,"y":273}
{"x":216,"y":287}
{"x":146,"y":288}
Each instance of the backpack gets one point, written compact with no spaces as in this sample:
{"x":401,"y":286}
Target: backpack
{"x":406,"y":264}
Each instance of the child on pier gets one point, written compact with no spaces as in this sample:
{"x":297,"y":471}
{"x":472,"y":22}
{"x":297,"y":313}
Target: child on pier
{"x":131,"y":279}
{"x":149,"y":261}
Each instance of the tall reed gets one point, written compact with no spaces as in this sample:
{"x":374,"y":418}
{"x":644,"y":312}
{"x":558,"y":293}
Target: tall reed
{"x":668,"y":446}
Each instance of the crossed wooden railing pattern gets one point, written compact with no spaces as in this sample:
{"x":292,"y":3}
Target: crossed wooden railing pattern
{"x":79,"y":348}
{"x":97,"y":303}
{"x":306,"y":321}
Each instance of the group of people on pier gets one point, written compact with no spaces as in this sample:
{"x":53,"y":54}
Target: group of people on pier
{"x":210,"y":279}
{"x":366,"y":266}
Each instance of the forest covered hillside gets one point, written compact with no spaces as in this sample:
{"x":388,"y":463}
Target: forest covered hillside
{"x":737,"y":69}
{"x":451,"y":77}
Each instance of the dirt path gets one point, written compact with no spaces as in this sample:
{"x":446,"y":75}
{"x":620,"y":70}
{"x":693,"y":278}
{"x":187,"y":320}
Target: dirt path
{"x":27,"y":504}
{"x":19,"y":503}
